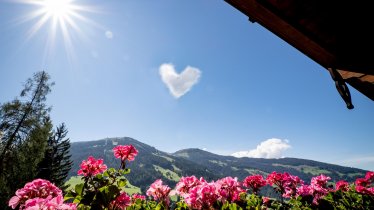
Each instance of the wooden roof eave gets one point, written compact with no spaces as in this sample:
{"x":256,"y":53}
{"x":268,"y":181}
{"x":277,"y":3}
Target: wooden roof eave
{"x":256,"y":12}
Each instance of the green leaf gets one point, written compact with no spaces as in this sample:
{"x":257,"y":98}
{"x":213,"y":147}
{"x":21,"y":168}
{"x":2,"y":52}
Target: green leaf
{"x":106,"y":173}
{"x":99,"y":176}
{"x":79,"y":188}
{"x":122,"y":182}
{"x":69,"y":195}
{"x":125,"y":171}
{"x":159,"y":207}
{"x":77,"y":199}
{"x":233,"y":206}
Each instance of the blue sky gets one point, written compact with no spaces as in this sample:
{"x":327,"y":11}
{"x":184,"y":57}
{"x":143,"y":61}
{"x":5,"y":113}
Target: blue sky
{"x":247,"y":86}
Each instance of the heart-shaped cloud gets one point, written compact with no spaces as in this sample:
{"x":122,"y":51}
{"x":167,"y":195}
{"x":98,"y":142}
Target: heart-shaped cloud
{"x":179,"y":84}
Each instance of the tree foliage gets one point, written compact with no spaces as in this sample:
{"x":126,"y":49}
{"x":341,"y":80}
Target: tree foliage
{"x":25,"y":135}
{"x":56,"y":163}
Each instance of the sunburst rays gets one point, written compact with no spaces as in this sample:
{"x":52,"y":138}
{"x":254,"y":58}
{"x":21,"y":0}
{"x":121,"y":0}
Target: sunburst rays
{"x":63,"y":17}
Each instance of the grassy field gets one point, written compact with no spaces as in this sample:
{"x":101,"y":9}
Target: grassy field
{"x":315,"y":171}
{"x":167,"y":173}
{"x":130,"y":189}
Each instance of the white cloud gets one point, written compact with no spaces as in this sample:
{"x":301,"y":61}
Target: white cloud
{"x":109,"y":34}
{"x":179,"y":84}
{"x":271,"y":148}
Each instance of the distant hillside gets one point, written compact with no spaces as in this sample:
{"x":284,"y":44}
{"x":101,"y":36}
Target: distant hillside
{"x":152,"y":164}
{"x":241,"y":167}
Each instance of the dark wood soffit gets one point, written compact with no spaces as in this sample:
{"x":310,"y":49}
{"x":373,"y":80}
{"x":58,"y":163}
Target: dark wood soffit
{"x":258,"y":13}
{"x":359,"y":78}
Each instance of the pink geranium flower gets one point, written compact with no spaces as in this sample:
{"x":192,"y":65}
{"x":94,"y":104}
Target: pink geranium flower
{"x":125,"y":152}
{"x":122,"y":201}
{"x":369,"y":176}
{"x":290,"y":185}
{"x":202,"y":196}
{"x":342,"y":185}
{"x":229,"y":189}
{"x":91,"y":167}
{"x":266,"y":201}
{"x":361,"y":182}
{"x":186,"y":183}
{"x":136,"y":196}
{"x":276,"y":179}
{"x":304,"y":190}
{"x":319,"y":187}
{"x":254,"y":182}
{"x":49,"y":204}
{"x":39,"y":188}
{"x":159,"y":191}
{"x":284,"y":183}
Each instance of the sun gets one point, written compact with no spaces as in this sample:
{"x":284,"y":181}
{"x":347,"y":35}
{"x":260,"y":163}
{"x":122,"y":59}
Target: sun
{"x":63,"y":17}
{"x":57,"y":8}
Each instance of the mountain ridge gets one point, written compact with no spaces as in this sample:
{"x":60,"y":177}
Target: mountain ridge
{"x":151,"y":164}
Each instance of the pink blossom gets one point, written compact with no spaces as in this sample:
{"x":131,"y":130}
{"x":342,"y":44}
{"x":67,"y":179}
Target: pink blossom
{"x":186,"y":183}
{"x":370,"y":176}
{"x":284,"y":183}
{"x":276,"y":179}
{"x":361,"y":189}
{"x":38,"y":188}
{"x":92,"y":166}
{"x":121,"y":202}
{"x":125,"y":152}
{"x":159,"y":192}
{"x":48,"y":204}
{"x":361,"y":182}
{"x":364,"y":185}
{"x":342,"y":185}
{"x":304,"y":190}
{"x":254,"y":182}
{"x":266,"y":201}
{"x":229,"y":189}
{"x":202,"y":196}
{"x":136,"y":196}
{"x":290,"y":185}
{"x":364,"y":190}
{"x":319,"y":187}
{"x":370,"y":191}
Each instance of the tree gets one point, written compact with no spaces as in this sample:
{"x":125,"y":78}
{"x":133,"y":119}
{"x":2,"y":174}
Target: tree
{"x":56,"y":163}
{"x":25,"y":128}
{"x":19,"y":119}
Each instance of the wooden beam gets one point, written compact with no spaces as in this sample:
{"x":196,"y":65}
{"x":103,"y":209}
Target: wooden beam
{"x":259,"y":13}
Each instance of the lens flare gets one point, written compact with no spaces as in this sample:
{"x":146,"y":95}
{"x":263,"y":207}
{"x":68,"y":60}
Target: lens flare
{"x":64,"y":17}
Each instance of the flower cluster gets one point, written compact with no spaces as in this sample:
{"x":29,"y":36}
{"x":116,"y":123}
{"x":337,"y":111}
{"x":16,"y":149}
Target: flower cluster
{"x":317,"y":188}
{"x":366,"y":185}
{"x":199,"y":194}
{"x":122,"y":201}
{"x":137,"y":196}
{"x":202,"y":196}
{"x":39,"y":194}
{"x":254,"y":183}
{"x":342,"y":185}
{"x":49,"y":203}
{"x":229,"y":189}
{"x":125,"y":152}
{"x":91,"y":167}
{"x":159,"y":191}
{"x":284,"y":183}
{"x":186,"y":183}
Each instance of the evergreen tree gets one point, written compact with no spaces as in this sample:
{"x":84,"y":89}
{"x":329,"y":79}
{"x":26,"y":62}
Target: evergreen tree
{"x":56,"y":163}
{"x":25,"y":128}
